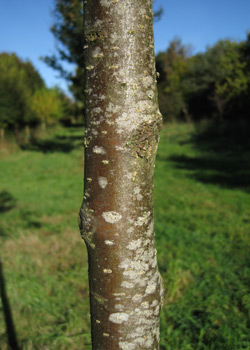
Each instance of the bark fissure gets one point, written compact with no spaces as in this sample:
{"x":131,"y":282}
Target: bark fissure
{"x":121,"y":138}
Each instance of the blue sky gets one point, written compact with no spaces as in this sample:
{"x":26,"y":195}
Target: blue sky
{"x":24,"y":27}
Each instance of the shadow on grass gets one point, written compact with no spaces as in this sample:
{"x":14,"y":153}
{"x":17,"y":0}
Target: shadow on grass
{"x":9,"y":323}
{"x":30,"y":219}
{"x":224,"y":155}
{"x":230,"y":173}
{"x":59,"y":143}
{"x":7,"y":202}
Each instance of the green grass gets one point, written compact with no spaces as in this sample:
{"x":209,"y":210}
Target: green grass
{"x":202,"y":222}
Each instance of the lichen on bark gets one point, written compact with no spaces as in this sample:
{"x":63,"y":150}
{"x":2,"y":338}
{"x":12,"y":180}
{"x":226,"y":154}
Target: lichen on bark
{"x":121,"y":137}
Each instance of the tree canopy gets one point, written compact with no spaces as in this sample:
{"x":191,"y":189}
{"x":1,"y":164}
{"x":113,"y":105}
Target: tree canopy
{"x":25,"y":99}
{"x":68,"y":32}
{"x":213,"y":84}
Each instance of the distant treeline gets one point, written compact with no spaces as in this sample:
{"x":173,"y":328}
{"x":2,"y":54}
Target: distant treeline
{"x":24,"y":98}
{"x":212,"y":85}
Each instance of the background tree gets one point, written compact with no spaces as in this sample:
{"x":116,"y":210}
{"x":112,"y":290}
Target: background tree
{"x":121,"y":137}
{"x":232,"y":84}
{"x":47,"y":106}
{"x":209,"y":85}
{"x":67,"y":30}
{"x":25,"y":100}
{"x":171,"y":66}
{"x":18,"y":81}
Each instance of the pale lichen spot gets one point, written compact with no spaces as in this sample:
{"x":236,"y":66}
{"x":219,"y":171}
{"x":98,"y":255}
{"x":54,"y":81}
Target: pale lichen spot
{"x":102,"y":181}
{"x":105,"y":334}
{"x":94,"y":132}
{"x":127,"y":284}
{"x":119,"y":294}
{"x":137,"y":297}
{"x":133,"y":245}
{"x":90,"y":67}
{"x":154,"y":303}
{"x":96,"y":110}
{"x":105,"y":162}
{"x":119,"y":307}
{"x":150,"y":288}
{"x":119,"y":148}
{"x":109,"y":242}
{"x":99,"y":150}
{"x":128,"y":176}
{"x":98,"y":321}
{"x":150,"y":230}
{"x":107,"y":271}
{"x":148,"y":81}
{"x":97,"y":53}
{"x":98,"y":23}
{"x":157,"y":310}
{"x":140,"y":340}
{"x":106,"y":3}
{"x":109,"y":122}
{"x":149,"y":342}
{"x":137,"y":193}
{"x":145,"y":304}
{"x":111,"y":216}
{"x":125,"y":264}
{"x":124,"y":345}
{"x":132,"y":274}
{"x":142,"y":219}
{"x":150,"y":93}
{"x":131,"y":230}
{"x":114,"y":36}
{"x":148,"y":313}
{"x":119,"y":317}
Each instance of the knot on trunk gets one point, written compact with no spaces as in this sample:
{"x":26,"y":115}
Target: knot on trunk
{"x":86,"y":225}
{"x":144,"y":140}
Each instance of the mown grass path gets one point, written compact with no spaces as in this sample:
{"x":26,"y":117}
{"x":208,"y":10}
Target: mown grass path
{"x":202,"y":222}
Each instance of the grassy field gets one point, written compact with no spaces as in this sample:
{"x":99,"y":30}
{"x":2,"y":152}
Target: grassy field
{"x":202,"y":212}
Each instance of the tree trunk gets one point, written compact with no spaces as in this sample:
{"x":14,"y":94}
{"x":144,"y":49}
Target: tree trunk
{"x":121,"y":137}
{"x":43,"y":126}
{"x":2,"y":133}
{"x":17,"y":134}
{"x":27,"y":134}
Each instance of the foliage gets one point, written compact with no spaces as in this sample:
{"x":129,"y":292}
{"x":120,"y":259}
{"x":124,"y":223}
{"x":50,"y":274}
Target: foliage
{"x":18,"y":81}
{"x":47,"y":105}
{"x":202,"y":227}
{"x":213,"y":84}
{"x":171,"y":66}
{"x":25,"y":100}
{"x":68,"y":31}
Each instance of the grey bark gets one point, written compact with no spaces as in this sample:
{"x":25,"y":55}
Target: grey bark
{"x":121,"y":137}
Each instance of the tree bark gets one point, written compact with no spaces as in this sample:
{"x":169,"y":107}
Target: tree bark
{"x":122,"y":131}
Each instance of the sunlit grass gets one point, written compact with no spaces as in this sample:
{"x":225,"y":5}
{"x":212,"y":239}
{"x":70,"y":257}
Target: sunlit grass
{"x":202,"y":221}
{"x":202,"y":230}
